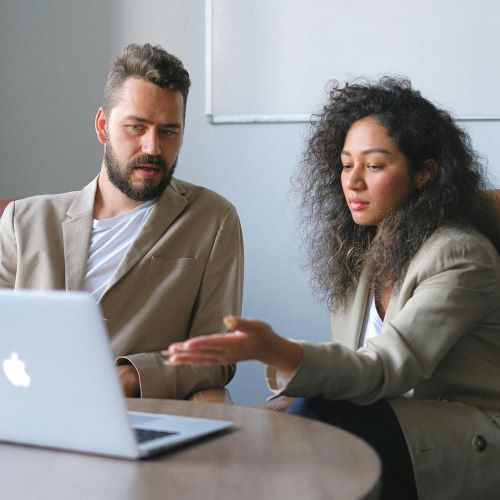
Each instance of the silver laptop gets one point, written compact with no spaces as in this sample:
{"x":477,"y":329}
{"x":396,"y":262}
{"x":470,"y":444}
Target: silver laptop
{"x":59,"y":387}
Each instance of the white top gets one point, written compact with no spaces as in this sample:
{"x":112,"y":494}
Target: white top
{"x":110,"y":240}
{"x":372,"y":324}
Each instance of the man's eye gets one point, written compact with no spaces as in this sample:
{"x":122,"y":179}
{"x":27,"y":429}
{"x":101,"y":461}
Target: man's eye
{"x":135,"y":128}
{"x":168,"y":133}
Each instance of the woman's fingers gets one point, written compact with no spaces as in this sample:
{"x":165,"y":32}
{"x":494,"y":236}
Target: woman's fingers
{"x":248,"y":326}
{"x":244,"y":340}
{"x":205,"y":356}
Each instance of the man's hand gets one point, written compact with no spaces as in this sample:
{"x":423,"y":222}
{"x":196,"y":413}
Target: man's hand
{"x":130,"y":380}
{"x":246,"y":339}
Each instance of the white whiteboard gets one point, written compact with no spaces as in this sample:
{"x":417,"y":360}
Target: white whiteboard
{"x":271,"y":60}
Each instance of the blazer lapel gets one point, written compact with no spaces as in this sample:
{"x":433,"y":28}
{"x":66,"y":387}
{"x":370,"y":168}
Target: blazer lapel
{"x":393,"y":307}
{"x":347,"y":325}
{"x":165,"y":211}
{"x":77,"y":231}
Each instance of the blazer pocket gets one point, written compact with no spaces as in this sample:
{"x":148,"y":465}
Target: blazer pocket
{"x":156,"y":263}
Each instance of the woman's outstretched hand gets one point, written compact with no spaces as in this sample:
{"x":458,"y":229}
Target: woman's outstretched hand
{"x":246,"y":339}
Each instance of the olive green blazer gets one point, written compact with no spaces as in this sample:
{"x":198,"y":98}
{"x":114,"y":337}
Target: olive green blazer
{"x":436,"y":359}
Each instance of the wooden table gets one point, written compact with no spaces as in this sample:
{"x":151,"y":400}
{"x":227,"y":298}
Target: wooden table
{"x":268,"y":456}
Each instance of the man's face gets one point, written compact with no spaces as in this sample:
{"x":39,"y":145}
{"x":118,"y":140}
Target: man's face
{"x":142,"y":137}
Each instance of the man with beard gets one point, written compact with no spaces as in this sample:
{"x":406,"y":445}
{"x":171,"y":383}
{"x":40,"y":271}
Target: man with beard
{"x":164,"y":258}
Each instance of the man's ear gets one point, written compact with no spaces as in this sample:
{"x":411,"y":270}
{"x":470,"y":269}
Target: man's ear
{"x":426,"y":173}
{"x":100,"y":126}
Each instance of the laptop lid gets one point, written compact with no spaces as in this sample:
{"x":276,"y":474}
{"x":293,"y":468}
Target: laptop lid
{"x":59,"y":386}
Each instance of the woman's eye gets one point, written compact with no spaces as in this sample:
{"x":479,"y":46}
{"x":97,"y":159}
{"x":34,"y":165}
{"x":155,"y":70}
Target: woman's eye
{"x":374,"y":166}
{"x":346,"y":167}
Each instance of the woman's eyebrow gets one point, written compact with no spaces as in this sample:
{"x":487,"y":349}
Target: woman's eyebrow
{"x":368,"y":151}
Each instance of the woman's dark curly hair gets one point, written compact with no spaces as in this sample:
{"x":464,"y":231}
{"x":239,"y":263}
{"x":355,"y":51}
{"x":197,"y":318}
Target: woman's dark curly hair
{"x":338,"y":248}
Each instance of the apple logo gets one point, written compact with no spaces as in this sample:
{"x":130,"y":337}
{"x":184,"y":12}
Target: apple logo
{"x":15,"y":371}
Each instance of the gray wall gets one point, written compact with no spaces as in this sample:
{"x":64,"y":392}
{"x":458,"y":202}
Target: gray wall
{"x":54,"y":56}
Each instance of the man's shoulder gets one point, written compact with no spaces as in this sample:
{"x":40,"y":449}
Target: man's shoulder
{"x":199,"y":195}
{"x":44,"y":203}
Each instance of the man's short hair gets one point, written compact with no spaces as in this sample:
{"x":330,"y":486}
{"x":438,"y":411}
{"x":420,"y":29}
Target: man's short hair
{"x":152,"y":63}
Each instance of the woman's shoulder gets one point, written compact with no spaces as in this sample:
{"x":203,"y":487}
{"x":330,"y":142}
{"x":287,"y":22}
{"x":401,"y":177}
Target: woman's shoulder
{"x":453,"y":245}
{"x":457,"y":236}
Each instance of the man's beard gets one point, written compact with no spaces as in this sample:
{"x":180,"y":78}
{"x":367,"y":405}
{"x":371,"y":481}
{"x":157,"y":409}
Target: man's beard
{"x":122,"y":179}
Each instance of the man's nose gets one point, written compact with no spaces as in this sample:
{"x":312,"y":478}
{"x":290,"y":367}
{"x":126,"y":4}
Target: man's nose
{"x":151,"y":143}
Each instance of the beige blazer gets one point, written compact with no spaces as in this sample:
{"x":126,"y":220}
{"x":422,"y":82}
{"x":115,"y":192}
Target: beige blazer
{"x":437,"y":359}
{"x":180,"y":277}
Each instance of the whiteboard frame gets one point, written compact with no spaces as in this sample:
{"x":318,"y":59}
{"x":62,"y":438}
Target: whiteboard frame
{"x":227,"y":119}
{"x":215,"y":119}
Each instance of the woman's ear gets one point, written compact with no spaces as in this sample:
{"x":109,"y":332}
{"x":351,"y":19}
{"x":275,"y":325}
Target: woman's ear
{"x":426,"y":173}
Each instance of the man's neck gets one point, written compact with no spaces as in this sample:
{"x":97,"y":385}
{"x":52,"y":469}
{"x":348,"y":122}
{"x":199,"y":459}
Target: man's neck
{"x":109,"y":200}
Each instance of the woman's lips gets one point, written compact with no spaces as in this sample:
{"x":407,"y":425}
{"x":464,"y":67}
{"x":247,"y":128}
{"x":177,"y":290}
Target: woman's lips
{"x":357,"y":204}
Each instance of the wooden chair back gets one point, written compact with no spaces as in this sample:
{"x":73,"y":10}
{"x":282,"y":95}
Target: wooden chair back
{"x":4,"y":203}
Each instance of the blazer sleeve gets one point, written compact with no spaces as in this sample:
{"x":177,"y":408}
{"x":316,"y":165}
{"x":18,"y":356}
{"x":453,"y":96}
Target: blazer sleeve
{"x":8,"y":248}
{"x":220,"y":294}
{"x":449,"y":289}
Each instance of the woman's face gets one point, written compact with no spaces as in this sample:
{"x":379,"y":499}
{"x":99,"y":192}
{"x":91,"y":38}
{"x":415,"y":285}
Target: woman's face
{"x":376,"y":177}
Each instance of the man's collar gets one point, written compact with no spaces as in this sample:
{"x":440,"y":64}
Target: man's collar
{"x":83,"y":204}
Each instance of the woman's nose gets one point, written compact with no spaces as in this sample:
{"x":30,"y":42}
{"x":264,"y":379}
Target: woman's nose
{"x":355,"y":179}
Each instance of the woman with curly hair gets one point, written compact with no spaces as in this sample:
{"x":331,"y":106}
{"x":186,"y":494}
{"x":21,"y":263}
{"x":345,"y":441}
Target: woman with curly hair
{"x":404,"y":246}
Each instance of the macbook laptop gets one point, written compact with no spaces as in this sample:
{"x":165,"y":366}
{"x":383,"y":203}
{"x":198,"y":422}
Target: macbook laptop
{"x":59,"y":386}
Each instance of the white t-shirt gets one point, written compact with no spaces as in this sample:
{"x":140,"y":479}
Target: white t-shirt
{"x":372,"y":324}
{"x":110,"y":240}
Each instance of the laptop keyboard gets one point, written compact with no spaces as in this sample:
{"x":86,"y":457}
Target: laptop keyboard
{"x":144,"y":435}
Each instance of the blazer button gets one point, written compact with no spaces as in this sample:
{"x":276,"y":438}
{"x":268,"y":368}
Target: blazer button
{"x":478,"y":443}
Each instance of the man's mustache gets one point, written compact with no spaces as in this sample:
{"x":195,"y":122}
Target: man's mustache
{"x":148,"y":160}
